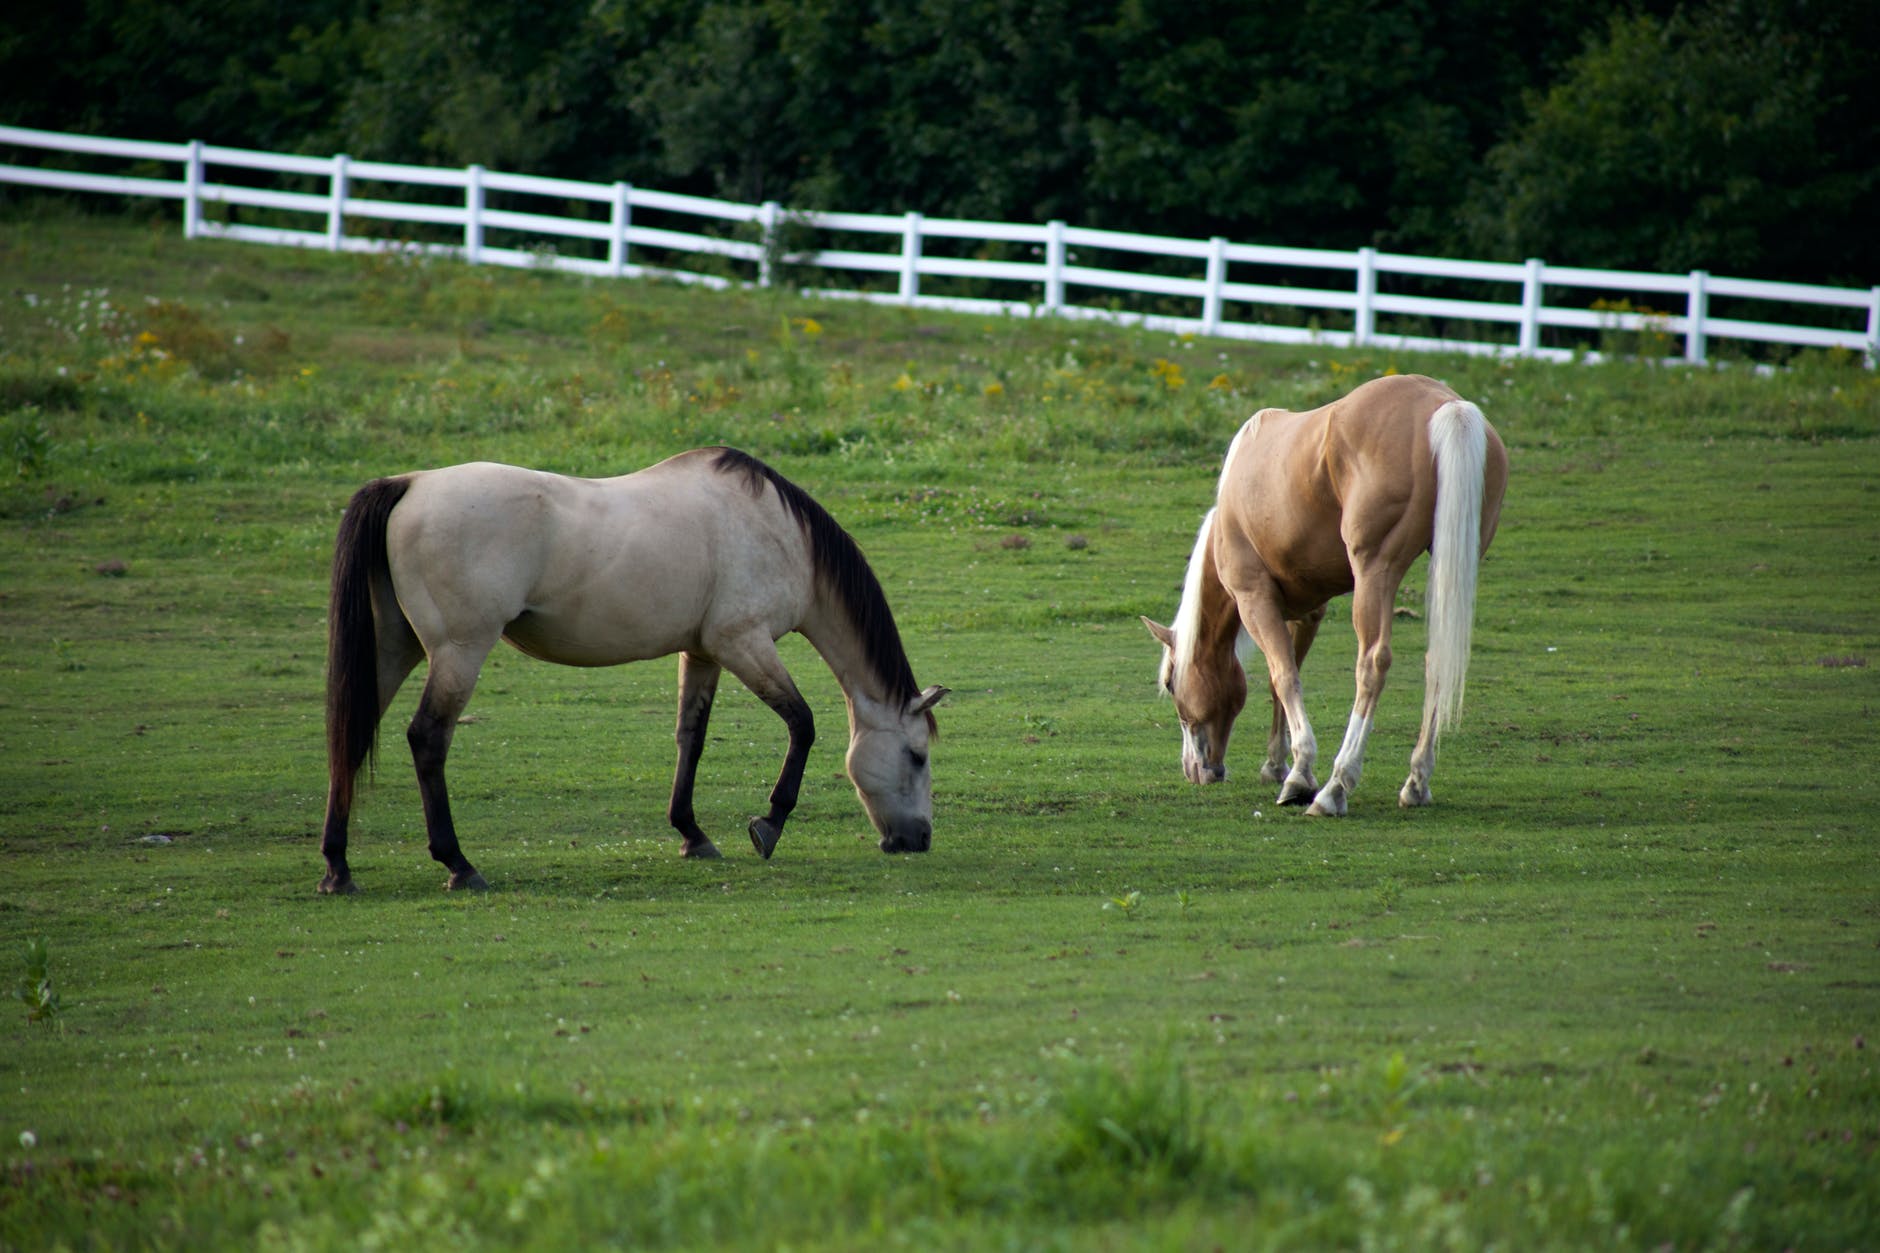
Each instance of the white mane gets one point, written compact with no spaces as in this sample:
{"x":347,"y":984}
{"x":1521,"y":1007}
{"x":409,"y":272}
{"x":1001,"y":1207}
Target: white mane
{"x":1187,"y":624}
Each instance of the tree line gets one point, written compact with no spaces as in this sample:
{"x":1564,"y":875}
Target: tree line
{"x":1738,"y":136}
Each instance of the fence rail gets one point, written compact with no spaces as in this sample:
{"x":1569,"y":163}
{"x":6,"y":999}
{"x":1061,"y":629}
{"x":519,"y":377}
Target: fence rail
{"x":1209,"y":287}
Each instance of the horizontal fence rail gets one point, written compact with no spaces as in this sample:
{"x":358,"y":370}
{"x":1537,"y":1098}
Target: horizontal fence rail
{"x":1209,"y":287}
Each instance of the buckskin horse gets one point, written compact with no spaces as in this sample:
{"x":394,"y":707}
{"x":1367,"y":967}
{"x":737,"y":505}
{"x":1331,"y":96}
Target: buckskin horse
{"x":710,"y":554}
{"x":1342,"y":498}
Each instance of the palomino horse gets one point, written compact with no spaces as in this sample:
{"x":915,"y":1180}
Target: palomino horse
{"x":710,"y":554}
{"x":1311,"y":506}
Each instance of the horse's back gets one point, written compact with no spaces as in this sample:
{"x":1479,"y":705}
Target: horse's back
{"x":1309,"y":488}
{"x":584,"y":571}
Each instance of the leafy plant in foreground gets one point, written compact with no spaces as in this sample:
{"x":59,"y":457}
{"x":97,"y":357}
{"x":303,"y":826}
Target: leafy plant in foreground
{"x":35,"y":990}
{"x":1142,"y":1119}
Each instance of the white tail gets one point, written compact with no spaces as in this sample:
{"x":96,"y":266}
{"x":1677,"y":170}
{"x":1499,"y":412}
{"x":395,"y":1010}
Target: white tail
{"x":1458,"y":442}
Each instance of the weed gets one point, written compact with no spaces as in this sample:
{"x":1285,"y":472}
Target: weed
{"x":1130,"y":1119}
{"x":1040,"y":724}
{"x":35,"y":989}
{"x":1386,"y":894}
{"x":38,"y":389}
{"x":1129,"y":904}
{"x":447,"y":1102}
{"x":25,"y":442}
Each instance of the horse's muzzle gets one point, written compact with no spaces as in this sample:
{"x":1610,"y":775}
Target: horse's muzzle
{"x":915,"y":839}
{"x":1201,"y":772}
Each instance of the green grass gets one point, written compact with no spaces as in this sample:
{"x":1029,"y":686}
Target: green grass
{"x":1616,"y":989}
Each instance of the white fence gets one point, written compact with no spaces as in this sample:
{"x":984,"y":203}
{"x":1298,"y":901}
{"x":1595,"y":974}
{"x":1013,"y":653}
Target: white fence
{"x":1371,"y":299}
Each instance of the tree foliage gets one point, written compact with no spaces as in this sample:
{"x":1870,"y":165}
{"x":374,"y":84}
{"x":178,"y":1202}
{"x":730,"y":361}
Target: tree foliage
{"x":1736,"y":135}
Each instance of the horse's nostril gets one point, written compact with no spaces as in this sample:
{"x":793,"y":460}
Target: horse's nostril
{"x":915,"y":840}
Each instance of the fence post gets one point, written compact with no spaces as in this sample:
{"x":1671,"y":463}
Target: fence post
{"x":1695,"y":311}
{"x":1531,"y":308}
{"x":192,"y":190}
{"x":1054,"y":265}
{"x":767,"y":215}
{"x":622,"y":222}
{"x":336,"y":211}
{"x":1364,"y":320}
{"x":910,"y":259}
{"x":1873,"y":328}
{"x":1217,"y":278}
{"x":473,"y":215}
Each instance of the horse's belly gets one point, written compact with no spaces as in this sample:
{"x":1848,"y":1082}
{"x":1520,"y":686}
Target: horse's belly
{"x":576,"y":641}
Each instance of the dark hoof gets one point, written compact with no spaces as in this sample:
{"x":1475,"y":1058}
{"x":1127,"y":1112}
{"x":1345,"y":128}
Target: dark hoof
{"x":331,"y":886}
{"x":1296,"y":797}
{"x":473,"y":881}
{"x":764,"y":837}
{"x":704,"y":850}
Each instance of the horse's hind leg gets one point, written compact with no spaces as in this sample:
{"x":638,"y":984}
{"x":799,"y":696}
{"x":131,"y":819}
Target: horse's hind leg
{"x":1278,"y":741}
{"x":446,"y":691}
{"x":398,"y":653}
{"x":1372,"y":602}
{"x":698,"y":685}
{"x":1416,"y":788}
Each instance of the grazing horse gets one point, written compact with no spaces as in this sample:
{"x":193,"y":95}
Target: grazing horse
{"x":1310,"y":506}
{"x":710,"y":554}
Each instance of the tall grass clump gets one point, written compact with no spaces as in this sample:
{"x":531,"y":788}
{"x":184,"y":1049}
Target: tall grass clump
{"x":1141,"y":1122}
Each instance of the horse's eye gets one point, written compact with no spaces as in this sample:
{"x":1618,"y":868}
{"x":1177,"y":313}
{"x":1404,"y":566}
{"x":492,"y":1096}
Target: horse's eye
{"x":919,"y":759}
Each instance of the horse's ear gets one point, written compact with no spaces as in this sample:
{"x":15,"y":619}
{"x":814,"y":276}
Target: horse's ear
{"x":926,"y":700}
{"x":1161,"y":633}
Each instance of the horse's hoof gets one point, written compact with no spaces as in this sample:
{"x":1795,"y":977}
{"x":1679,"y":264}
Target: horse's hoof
{"x":1414,"y":795}
{"x":764,"y":837}
{"x":330,"y":886}
{"x":1298,"y":793}
{"x":1326,"y":805}
{"x":473,"y":881}
{"x":704,"y":850}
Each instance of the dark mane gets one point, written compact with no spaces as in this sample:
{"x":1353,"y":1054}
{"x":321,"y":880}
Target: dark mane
{"x":842,"y":569}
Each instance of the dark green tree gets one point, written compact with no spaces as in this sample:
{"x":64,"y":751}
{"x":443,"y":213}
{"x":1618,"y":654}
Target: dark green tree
{"x":1737,"y":137}
{"x":1741,"y":136}
{"x":249,"y":73}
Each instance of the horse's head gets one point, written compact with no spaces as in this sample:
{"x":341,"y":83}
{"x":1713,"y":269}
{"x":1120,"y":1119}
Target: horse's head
{"x":888,"y":766}
{"x":1208,"y":697}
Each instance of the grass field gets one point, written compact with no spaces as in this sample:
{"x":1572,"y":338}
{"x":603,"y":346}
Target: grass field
{"x":1618,"y":988}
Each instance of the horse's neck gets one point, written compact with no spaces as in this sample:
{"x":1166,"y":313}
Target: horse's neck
{"x":1219,"y":617}
{"x":832,"y":634}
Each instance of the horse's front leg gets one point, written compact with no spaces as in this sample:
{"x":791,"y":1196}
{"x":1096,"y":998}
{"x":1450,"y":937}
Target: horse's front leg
{"x":1278,"y":739}
{"x":753,"y":658}
{"x":1261,"y":617}
{"x":698,"y":686}
{"x":801,"y":724}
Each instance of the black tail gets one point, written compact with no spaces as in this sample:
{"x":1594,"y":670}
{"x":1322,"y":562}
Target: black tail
{"x":352,"y":648}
